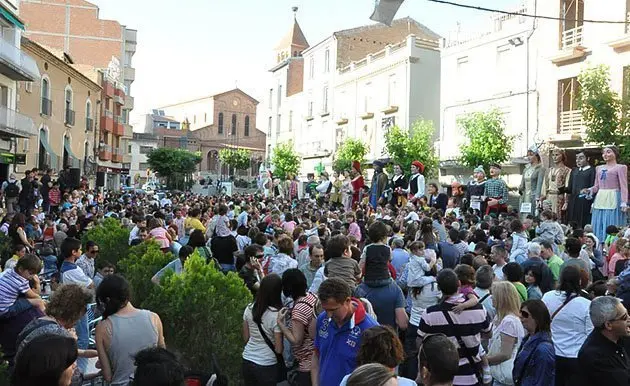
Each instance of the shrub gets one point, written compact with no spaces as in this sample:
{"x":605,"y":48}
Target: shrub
{"x":202,"y":314}
{"x":143,"y":261}
{"x":112,"y":239}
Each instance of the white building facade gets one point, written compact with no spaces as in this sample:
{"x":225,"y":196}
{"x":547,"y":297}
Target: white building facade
{"x":528,"y":69}
{"x":139,"y":146}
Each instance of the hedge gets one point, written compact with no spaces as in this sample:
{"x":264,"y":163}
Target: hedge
{"x":112,"y":239}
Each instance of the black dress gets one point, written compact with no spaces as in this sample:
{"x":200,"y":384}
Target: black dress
{"x":474,"y":191}
{"x":398,"y":182}
{"x":579,"y":208}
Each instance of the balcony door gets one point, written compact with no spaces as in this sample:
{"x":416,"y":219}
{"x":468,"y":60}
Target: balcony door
{"x":569,"y":115}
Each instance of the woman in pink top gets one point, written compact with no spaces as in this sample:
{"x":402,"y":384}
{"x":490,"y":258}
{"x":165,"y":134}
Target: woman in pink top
{"x":353,"y":228}
{"x":611,"y":190}
{"x":159,"y":234}
{"x":620,"y":254}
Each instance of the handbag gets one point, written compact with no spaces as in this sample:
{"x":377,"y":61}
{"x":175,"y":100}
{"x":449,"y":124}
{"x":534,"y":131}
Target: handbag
{"x":282,"y":367}
{"x":501,"y":372}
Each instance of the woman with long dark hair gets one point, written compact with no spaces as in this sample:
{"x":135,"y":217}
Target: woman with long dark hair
{"x":427,"y":235}
{"x":535,"y":362}
{"x":48,"y":360}
{"x":260,"y":332}
{"x":570,"y":322}
{"x":303,"y":317}
{"x":17,"y":234}
{"x":124,"y":331}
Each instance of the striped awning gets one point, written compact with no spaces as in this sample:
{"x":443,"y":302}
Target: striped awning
{"x":51,"y":157}
{"x":73,"y":161}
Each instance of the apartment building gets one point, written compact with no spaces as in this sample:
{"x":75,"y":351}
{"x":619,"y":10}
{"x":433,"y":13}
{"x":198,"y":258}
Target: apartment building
{"x":343,"y":73}
{"x":74,"y":27}
{"x":490,"y":69}
{"x":15,"y":66}
{"x":139,"y":147}
{"x":63,"y":106}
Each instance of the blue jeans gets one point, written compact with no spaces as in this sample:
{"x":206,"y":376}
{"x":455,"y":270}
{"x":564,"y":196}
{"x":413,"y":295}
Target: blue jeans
{"x":83,"y":341}
{"x":20,"y":305}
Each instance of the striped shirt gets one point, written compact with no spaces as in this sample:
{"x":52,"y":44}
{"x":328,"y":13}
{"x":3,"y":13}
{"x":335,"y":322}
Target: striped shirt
{"x":468,"y":325}
{"x":11,"y":286}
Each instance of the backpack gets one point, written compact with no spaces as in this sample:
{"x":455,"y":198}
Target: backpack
{"x":12,"y":190}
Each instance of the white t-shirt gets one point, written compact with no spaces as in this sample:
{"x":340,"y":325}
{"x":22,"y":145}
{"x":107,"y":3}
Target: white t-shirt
{"x":401,"y":381}
{"x":571,"y":326}
{"x":256,"y":350}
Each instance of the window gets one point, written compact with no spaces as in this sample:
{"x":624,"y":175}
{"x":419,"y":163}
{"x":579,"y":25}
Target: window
{"x":161,"y":124}
{"x":69,"y":113}
{"x":569,"y":114}
{"x":367,"y":98}
{"x":205,"y":117}
{"x":463,"y":68}
{"x":327,"y":61}
{"x":504,"y":68}
{"x":88,"y":109}
{"x":291,"y":120}
{"x":144,"y":166}
{"x":129,"y":149}
{"x":279,"y":119}
{"x":279,"y":96}
{"x":128,"y":57}
{"x":571,"y":26}
{"x":233,"y":124}
{"x":269,"y":128}
{"x":310,"y":108}
{"x":28,"y":86}
{"x":270,"y":98}
{"x":220,"y":124}
{"x":391,"y":90}
{"x":128,"y":86}
{"x":246,"y":131}
{"x":311,"y":70}
{"x":46,"y":102}
{"x":325,"y":100}
{"x":145,"y":149}
{"x":194,"y":119}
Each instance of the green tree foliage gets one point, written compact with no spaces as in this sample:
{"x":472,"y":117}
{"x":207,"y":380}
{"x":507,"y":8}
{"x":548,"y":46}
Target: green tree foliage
{"x":605,"y":114}
{"x":144,"y":261}
{"x":202,"y":313}
{"x":239,"y":159}
{"x":173,"y":164}
{"x":487,"y":141}
{"x":404,"y":147}
{"x":351,"y":150}
{"x":285,"y":160}
{"x":112,"y":239}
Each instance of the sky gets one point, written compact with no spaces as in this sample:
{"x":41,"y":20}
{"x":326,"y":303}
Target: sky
{"x":192,"y":48}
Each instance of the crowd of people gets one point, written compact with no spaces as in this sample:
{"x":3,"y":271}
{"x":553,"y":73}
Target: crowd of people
{"x":392,"y":284}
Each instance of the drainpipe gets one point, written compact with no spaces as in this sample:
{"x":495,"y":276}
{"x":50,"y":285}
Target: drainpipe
{"x":527,"y":76}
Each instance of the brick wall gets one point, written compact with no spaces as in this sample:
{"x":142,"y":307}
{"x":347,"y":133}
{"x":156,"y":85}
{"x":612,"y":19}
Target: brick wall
{"x":295,"y":76}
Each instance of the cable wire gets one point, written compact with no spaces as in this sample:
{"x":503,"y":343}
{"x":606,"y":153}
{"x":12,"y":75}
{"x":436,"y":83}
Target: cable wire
{"x":478,"y":8}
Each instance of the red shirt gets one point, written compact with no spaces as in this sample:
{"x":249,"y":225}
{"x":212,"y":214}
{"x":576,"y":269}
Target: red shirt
{"x":54,"y":196}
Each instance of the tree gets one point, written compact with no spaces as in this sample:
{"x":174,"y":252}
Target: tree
{"x":404,"y":147}
{"x":112,"y":239}
{"x":351,"y":150}
{"x":239,"y":159}
{"x":487,"y":141}
{"x":173,"y":164}
{"x":605,"y":114}
{"x":285,"y":160}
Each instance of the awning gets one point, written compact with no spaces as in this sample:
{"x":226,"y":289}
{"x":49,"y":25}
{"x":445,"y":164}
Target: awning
{"x":71,"y":157}
{"x":8,"y":16}
{"x":51,"y":160}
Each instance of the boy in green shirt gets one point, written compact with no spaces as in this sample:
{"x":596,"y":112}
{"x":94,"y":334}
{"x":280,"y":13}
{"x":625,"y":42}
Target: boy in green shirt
{"x":554,"y":262}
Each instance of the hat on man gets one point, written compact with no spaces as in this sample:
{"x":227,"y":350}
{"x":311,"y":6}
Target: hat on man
{"x":378,"y":163}
{"x":495,"y":165}
{"x":419,"y":165}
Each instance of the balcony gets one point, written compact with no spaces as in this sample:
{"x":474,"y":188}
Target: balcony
{"x":16,"y":124}
{"x":108,"y":88}
{"x":117,"y":155}
{"x":89,"y":124}
{"x":46,"y":107}
{"x":571,"y":123}
{"x":572,"y":38}
{"x":119,"y":100}
{"x":129,"y":102}
{"x":130,"y":73}
{"x":107,"y":121}
{"x":69,"y":117}
{"x":119,"y":128}
{"x":105,"y":152}
{"x":16,"y":64}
